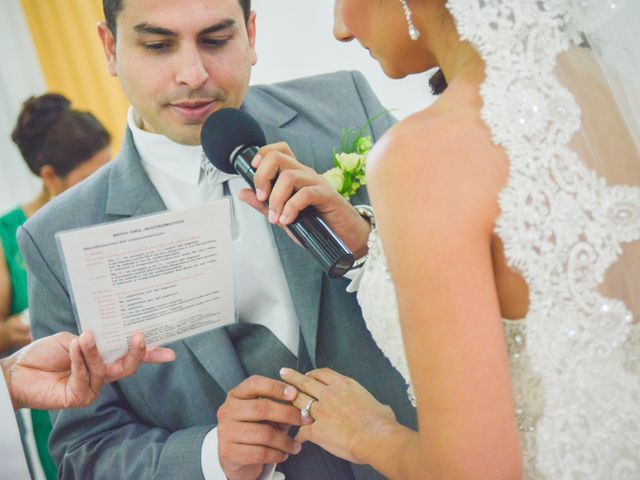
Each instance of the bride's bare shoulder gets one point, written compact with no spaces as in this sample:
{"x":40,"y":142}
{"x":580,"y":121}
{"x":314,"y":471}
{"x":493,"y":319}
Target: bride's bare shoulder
{"x":445,"y":149}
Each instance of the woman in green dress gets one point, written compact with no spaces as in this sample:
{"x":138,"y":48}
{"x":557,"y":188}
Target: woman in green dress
{"x":62,"y":146}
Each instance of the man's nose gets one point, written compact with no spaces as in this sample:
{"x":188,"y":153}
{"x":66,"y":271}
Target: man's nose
{"x":340,"y":30}
{"x":191,"y":70}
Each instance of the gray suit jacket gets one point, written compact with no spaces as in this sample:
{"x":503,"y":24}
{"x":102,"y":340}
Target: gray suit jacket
{"x":152,"y":425}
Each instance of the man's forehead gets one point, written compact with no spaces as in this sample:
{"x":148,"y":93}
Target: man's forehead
{"x":178,"y":15}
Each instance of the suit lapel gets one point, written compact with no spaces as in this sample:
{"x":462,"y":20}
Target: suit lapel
{"x":144,"y":199}
{"x":216,"y":354}
{"x":304,"y":275}
{"x":131,"y":192}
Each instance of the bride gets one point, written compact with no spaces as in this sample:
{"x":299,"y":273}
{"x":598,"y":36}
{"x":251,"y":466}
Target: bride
{"x":507,"y":210}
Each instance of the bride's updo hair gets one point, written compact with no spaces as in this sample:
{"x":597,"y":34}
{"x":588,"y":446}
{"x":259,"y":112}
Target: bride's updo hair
{"x":50,"y":132}
{"x":437,"y":82}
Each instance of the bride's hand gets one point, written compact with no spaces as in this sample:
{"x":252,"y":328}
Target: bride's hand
{"x":345,"y":414}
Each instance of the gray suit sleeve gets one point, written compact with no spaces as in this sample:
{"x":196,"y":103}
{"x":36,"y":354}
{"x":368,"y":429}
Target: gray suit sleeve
{"x":372,"y":107}
{"x":107,"y":440}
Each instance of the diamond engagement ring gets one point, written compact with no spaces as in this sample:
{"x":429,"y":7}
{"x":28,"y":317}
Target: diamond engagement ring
{"x":306,"y":411}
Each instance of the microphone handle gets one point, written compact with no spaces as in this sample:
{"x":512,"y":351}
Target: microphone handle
{"x":309,"y":229}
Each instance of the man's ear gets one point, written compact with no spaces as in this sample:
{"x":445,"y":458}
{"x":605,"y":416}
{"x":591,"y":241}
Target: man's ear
{"x":109,"y":46}
{"x":251,"y":32}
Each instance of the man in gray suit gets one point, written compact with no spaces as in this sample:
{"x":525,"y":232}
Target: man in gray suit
{"x":218,"y":410}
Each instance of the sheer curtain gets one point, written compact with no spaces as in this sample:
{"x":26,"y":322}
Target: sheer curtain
{"x":70,"y":54}
{"x":20,"y":77}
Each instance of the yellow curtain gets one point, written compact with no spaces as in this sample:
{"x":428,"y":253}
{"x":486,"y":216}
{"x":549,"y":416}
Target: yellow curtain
{"x":66,"y":39}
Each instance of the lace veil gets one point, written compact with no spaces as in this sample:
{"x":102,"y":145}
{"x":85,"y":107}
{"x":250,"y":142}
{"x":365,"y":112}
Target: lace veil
{"x":562,"y":96}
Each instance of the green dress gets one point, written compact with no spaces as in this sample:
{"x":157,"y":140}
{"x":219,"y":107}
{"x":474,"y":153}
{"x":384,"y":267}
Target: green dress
{"x":9,"y":224}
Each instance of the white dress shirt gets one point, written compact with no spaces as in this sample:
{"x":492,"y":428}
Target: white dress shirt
{"x":262,"y":296}
{"x":12,"y":459}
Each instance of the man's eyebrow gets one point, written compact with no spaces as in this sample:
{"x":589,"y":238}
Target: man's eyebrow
{"x":149,"y":29}
{"x":223,"y":25}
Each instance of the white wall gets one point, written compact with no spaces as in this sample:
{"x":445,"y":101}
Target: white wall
{"x":20,"y":77}
{"x":295,"y":39}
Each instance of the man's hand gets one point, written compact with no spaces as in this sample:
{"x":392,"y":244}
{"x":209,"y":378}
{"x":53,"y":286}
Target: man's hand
{"x":13,"y":334}
{"x":252,"y":427}
{"x":66,"y":371}
{"x":289,"y":187}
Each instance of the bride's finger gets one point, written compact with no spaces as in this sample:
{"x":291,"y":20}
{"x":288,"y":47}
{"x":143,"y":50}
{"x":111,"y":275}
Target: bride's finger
{"x":305,"y":434}
{"x":325,"y":375}
{"x":304,"y":401}
{"x":303,"y":383}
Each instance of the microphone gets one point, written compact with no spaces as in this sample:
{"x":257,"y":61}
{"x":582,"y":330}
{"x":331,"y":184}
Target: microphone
{"x":231,"y":139}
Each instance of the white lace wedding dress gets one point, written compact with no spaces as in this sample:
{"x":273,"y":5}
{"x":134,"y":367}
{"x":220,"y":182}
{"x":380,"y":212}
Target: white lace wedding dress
{"x":376,"y":295}
{"x":568,"y":118}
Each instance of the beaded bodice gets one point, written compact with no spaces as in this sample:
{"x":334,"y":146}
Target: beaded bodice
{"x":376,"y":296}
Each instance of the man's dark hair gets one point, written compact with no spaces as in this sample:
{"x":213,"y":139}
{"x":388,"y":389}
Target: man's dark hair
{"x":112,"y":9}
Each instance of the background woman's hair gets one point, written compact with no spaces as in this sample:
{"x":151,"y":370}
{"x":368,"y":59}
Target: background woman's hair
{"x":50,"y":132}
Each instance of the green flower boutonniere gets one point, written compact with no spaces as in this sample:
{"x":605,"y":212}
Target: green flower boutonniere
{"x":348,"y":174}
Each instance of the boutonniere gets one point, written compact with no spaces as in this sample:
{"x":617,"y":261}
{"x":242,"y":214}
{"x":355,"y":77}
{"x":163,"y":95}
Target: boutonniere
{"x":348,"y":174}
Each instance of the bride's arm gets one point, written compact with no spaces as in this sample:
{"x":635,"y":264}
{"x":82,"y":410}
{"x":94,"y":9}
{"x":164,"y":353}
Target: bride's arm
{"x":436,"y":201}
{"x":436,"y":205}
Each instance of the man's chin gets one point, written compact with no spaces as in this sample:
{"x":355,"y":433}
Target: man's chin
{"x":187,"y":135}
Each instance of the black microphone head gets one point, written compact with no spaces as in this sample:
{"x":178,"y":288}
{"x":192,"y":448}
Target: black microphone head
{"x":226,"y":130}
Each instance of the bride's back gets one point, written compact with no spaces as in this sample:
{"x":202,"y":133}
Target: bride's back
{"x":453,"y":125}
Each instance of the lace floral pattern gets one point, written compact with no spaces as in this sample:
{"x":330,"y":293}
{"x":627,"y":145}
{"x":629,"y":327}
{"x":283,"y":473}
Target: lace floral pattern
{"x":562,"y":227}
{"x":376,"y":295}
{"x":575,"y":359}
{"x":377,"y":298}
